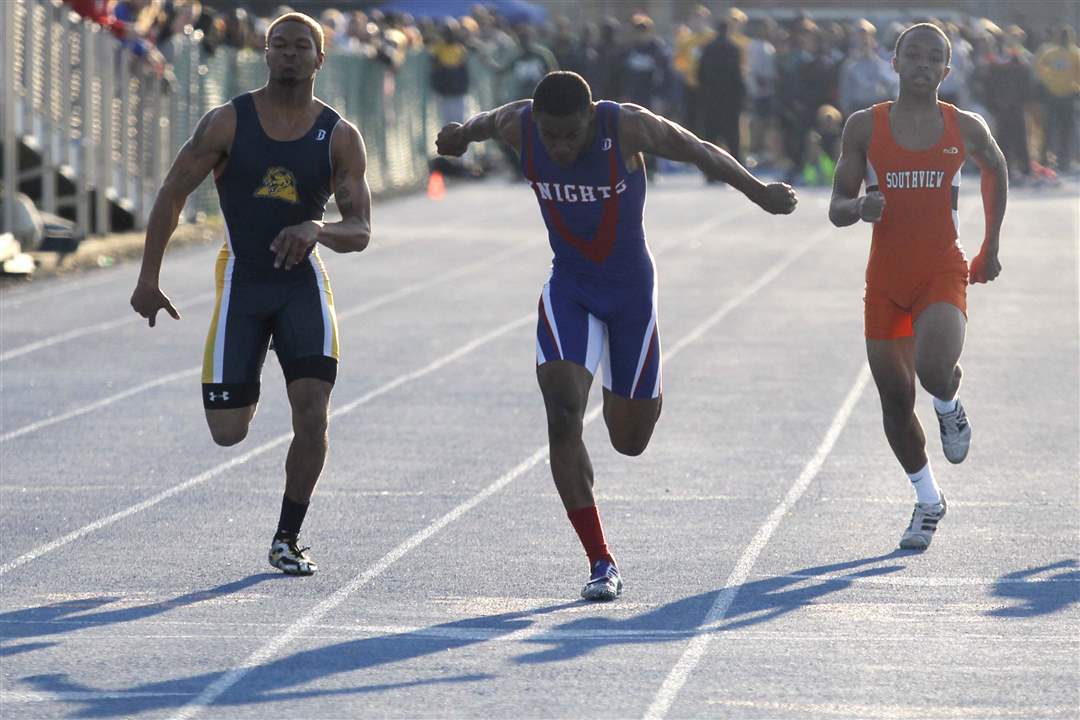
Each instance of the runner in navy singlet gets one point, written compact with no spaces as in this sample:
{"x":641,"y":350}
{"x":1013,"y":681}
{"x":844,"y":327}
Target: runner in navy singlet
{"x":583,"y":160}
{"x":277,"y":155}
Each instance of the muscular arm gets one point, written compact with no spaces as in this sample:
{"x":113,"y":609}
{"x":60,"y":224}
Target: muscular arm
{"x":982,"y":148}
{"x":351,"y":192}
{"x":640,"y":130}
{"x":208,"y":147}
{"x":502,"y":124}
{"x":844,"y":208}
{"x":353,"y":231}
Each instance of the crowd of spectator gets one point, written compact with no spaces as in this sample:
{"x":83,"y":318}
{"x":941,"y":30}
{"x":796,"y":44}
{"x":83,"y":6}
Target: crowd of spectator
{"x":773,"y":94}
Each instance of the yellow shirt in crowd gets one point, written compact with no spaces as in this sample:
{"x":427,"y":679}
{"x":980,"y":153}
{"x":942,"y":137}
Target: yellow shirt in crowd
{"x":1059,"y":69}
{"x":688,"y":48}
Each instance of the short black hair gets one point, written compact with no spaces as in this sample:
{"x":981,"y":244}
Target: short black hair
{"x":562,"y":93}
{"x":925,"y":26}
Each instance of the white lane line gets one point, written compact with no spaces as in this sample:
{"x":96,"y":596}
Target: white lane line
{"x":930,"y":581}
{"x":195,"y":370}
{"x":216,"y":689}
{"x":193,"y":301}
{"x":16,"y":297}
{"x":104,"y":402}
{"x":91,"y":329}
{"x":679,"y":674}
{"x":24,"y":696}
{"x":535,"y":635}
{"x":280,"y":439}
{"x":899,"y":712}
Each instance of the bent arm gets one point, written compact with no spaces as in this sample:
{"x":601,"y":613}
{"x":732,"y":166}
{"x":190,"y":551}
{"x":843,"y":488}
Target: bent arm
{"x":207,"y":147}
{"x":640,"y":130}
{"x":850,"y":169}
{"x":994,"y":181}
{"x":502,"y":123}
{"x":351,"y":192}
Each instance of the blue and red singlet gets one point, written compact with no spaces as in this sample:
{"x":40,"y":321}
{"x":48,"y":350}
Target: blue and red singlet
{"x":599,"y":305}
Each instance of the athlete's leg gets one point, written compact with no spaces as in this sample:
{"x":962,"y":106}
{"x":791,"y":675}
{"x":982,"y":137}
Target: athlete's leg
{"x":892,"y":363}
{"x":630,"y":422}
{"x":310,"y":401}
{"x":306,"y":342}
{"x":229,"y":426}
{"x":939,"y":340}
{"x":233,"y":356}
{"x":632,"y":375}
{"x":565,"y":387}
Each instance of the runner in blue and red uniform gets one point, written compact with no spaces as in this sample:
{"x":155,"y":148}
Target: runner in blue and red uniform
{"x":583,"y":160}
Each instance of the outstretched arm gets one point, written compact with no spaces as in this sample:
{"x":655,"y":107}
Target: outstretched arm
{"x":847,"y":207}
{"x":503,"y":124}
{"x":353,"y":196}
{"x":640,"y":130}
{"x":982,"y":148}
{"x":208,"y":147}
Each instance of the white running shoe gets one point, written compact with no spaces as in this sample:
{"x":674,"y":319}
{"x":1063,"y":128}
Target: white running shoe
{"x":923,"y":524}
{"x":955,"y":433}
{"x":287,"y":556}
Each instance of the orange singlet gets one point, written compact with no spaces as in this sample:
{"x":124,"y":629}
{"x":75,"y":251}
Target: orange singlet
{"x":915,"y":257}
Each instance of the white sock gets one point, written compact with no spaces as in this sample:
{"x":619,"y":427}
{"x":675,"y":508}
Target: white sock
{"x":926,"y":488}
{"x":945,"y":406}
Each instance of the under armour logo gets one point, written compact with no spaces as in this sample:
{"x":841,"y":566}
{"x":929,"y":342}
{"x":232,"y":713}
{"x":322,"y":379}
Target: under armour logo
{"x":224,"y":396}
{"x":321,"y":135}
{"x":606,"y":144}
{"x":952,"y":150}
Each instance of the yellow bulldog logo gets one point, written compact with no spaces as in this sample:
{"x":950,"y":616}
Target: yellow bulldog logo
{"x":279,"y":183}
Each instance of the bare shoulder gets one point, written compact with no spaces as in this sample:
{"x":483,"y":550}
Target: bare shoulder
{"x":216,"y":129}
{"x":859,"y":127}
{"x":635,"y":118}
{"x":508,"y":121}
{"x":973,"y":127}
{"x":346,"y":133}
{"x":640,"y":128}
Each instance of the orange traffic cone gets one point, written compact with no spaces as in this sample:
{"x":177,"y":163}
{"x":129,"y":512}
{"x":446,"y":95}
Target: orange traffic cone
{"x":436,"y":187}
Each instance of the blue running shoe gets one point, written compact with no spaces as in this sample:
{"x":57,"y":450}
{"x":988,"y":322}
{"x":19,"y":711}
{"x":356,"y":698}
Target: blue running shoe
{"x":604,"y":583}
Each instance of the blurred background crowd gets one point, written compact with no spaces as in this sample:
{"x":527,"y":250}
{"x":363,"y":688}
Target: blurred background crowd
{"x":772,"y":88}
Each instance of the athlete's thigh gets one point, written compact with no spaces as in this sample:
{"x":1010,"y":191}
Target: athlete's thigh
{"x":309,"y":394}
{"x":632,"y":366}
{"x":629,"y":416}
{"x":892,"y":364}
{"x":305,"y":326}
{"x":939,"y":336}
{"x":230,"y":422}
{"x":564,"y":385}
{"x":566,"y":330}
{"x":236,"y":345}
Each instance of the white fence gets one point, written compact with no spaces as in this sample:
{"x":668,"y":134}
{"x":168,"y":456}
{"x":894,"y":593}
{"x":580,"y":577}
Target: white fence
{"x":88,"y":129}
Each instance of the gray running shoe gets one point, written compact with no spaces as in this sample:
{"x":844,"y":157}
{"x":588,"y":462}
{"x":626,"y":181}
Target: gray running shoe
{"x":604,"y":583}
{"x":924,"y":522}
{"x":955,"y":433}
{"x":285,"y":555}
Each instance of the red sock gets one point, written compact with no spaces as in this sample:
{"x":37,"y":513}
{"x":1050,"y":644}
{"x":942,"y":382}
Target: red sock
{"x":586,"y":522}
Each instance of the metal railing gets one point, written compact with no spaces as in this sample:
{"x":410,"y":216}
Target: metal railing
{"x":82,"y":119}
{"x":93,"y":128}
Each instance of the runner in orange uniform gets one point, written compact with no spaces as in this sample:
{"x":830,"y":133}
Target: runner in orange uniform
{"x":909,"y":153}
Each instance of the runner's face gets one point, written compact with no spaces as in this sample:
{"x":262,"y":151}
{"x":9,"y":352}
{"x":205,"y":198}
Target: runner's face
{"x":291,"y":54}
{"x":564,"y":137}
{"x":922,"y":62}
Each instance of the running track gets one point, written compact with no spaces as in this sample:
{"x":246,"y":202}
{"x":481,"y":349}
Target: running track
{"x":757,"y":534}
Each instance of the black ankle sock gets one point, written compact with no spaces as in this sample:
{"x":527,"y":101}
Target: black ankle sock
{"x":292,"y":517}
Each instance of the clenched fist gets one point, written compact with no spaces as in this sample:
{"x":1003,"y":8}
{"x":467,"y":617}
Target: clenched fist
{"x":871,"y":206}
{"x":778,"y":198}
{"x":452,"y":141}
